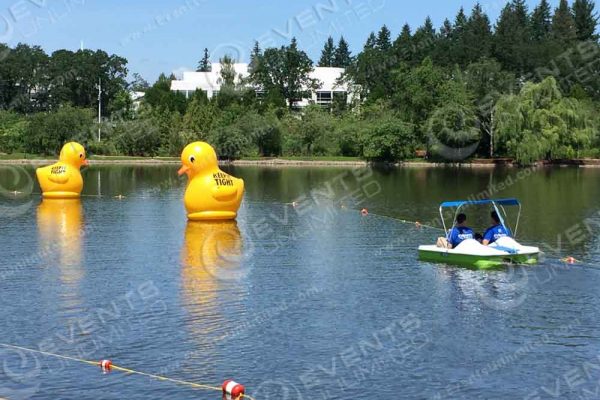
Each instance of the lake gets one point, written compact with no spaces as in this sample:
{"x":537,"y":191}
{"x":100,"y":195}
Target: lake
{"x":307,"y":302}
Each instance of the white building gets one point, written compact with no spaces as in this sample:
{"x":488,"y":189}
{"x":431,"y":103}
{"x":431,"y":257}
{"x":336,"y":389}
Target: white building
{"x":210,"y":82}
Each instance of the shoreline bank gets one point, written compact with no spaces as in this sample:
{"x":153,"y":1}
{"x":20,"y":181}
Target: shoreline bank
{"x":282,"y":162}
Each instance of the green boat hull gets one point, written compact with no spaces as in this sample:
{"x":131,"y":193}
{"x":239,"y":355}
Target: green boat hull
{"x":477,"y":262}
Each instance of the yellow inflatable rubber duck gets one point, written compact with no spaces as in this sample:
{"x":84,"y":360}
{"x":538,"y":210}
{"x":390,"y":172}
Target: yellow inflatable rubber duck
{"x":211,"y":194}
{"x":63,"y":179}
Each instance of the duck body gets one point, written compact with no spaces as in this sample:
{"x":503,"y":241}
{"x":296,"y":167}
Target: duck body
{"x":211,"y":194}
{"x":63,"y":180}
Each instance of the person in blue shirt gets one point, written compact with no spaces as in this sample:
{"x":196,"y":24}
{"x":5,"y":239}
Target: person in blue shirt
{"x":459,"y":232}
{"x":494,"y":232}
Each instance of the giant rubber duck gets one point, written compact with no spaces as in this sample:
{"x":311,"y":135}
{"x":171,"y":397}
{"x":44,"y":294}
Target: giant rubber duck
{"x":63,"y":179}
{"x":211,"y":194}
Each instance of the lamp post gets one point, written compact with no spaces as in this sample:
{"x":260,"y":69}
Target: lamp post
{"x":99,"y":108}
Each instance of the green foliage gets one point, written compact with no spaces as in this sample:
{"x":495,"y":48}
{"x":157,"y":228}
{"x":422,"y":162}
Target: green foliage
{"x":563,"y":24}
{"x":284,"y":71}
{"x":47,"y":132}
{"x":12,"y":131}
{"x":342,"y":57}
{"x":204,"y":64}
{"x":388,"y":139}
{"x":327,"y":54}
{"x":539,"y":123}
{"x":526,"y":86}
{"x":161,"y":96}
{"x":585,"y":19}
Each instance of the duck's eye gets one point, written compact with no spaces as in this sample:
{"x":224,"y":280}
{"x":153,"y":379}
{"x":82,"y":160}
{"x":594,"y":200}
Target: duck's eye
{"x":81,"y":156}
{"x":192,"y":159}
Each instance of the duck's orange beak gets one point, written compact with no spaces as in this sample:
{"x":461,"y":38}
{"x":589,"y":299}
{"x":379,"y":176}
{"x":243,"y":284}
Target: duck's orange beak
{"x":184,"y":169}
{"x":86,"y":163}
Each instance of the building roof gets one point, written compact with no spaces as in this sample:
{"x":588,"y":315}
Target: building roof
{"x":211,"y":81}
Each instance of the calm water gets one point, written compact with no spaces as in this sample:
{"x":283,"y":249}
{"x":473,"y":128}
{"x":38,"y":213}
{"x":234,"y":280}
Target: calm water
{"x":312,"y":302}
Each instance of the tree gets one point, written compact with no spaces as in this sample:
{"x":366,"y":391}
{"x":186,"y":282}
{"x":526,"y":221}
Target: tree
{"x":541,"y":21}
{"x":160,"y":96}
{"x":328,"y":54}
{"x":540,"y":124}
{"x":442,"y":53}
{"x":227,"y":71}
{"x":563,"y":24}
{"x":388,"y":139}
{"x":287,"y":72}
{"x":47,"y":133}
{"x":23,"y":79}
{"x":139,"y":84}
{"x":512,"y":41}
{"x":487,"y":82}
{"x":586,"y":20}
{"x":342,"y":57}
{"x":477,"y":36}
{"x":384,"y":39}
{"x":424,"y":41}
{"x":204,"y":64}
{"x":74,"y":78}
{"x":403,"y":45}
{"x":418,"y":91}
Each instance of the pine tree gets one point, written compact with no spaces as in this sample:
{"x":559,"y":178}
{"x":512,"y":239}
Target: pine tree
{"x":563,"y":24}
{"x":327,"y":54}
{"x":447,"y":29}
{"x":384,"y":39}
{"x":371,"y":41}
{"x":586,"y":20}
{"x":459,"y":49}
{"x":204,"y":64}
{"x":342,"y":57}
{"x":460,"y":21}
{"x":541,"y":21}
{"x":512,"y":41}
{"x":478,"y":35}
{"x":543,"y":48}
{"x":403,"y":45}
{"x":443,"y":49}
{"x":424,"y":40}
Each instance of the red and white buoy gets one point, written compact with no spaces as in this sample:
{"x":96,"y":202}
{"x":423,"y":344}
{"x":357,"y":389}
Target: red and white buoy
{"x":233,"y":389}
{"x":105,"y":365}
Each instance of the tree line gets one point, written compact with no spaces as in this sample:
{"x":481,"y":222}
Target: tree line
{"x":525,"y":87}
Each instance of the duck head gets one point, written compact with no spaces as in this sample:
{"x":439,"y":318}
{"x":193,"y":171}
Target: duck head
{"x":197,"y":157}
{"x":73,"y":154}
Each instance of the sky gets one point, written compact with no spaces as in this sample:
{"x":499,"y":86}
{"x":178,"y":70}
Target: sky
{"x":169,"y":36}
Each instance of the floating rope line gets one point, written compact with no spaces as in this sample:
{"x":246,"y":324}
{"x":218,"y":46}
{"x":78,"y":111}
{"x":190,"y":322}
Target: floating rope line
{"x":126,"y":370}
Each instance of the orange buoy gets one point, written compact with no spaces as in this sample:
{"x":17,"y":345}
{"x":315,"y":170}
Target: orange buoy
{"x":364,"y":212}
{"x":569,"y":260}
{"x":233,"y":389}
{"x":105,"y":365}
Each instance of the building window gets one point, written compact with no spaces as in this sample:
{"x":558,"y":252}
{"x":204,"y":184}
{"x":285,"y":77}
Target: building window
{"x":324,"y":98}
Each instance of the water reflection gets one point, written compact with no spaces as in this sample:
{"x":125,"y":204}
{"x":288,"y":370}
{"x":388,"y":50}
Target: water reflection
{"x":60,"y":224}
{"x":211,"y":256}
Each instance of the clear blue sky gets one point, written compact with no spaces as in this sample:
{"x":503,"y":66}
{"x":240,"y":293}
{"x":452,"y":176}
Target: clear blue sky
{"x":169,"y":36}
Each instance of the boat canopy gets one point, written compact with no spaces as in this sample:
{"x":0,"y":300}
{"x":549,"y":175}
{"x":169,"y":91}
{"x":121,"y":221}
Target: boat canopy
{"x":495,"y":204}
{"x":459,"y":203}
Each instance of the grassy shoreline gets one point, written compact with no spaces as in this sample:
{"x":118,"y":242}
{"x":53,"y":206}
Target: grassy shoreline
{"x":25,"y":159}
